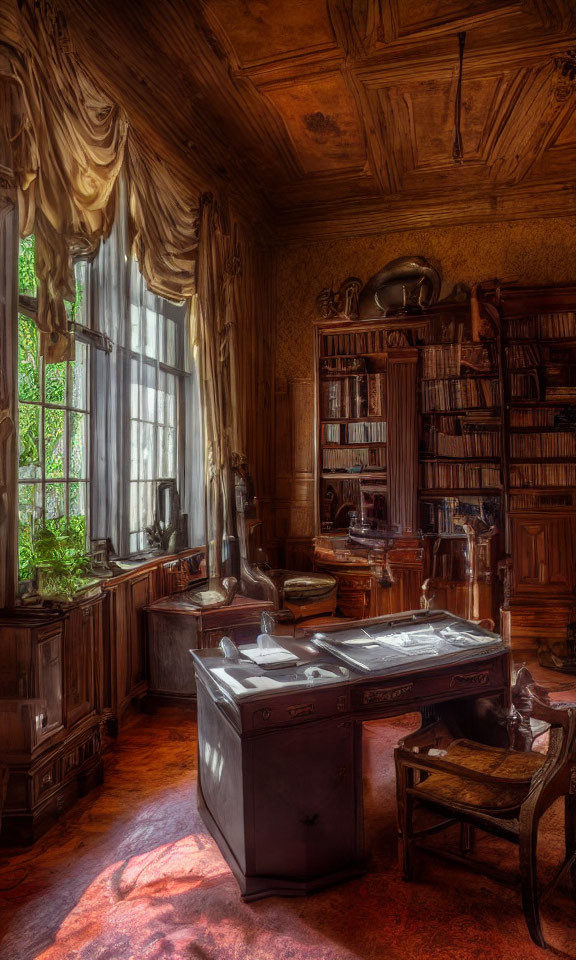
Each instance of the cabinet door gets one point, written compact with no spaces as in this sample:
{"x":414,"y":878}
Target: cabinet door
{"x":140,"y":596}
{"x":302,"y":786}
{"x":49,"y":673}
{"x":543,"y":553}
{"x":79,"y":674}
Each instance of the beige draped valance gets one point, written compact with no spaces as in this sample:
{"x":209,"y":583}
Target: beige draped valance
{"x":69,"y":144}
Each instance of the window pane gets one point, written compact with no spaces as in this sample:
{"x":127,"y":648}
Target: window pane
{"x":78,"y":511}
{"x":29,"y":511}
{"x":77,"y":444}
{"x":28,"y":359}
{"x":135,"y":329}
{"x":27,"y":283}
{"x":170,"y":402}
{"x":166,"y":441}
{"x":77,"y":310}
{"x":54,"y":442}
{"x":29,"y":459}
{"x":134,"y":501}
{"x":147,"y":459}
{"x":170,"y":357}
{"x":79,"y":377}
{"x":154,"y":327}
{"x":55,"y":501}
{"x":55,"y":383}
{"x":134,"y":449}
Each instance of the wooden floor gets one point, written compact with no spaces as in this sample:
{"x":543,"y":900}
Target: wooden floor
{"x":72,"y":896}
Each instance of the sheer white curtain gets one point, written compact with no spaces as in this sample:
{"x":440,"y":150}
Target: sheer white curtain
{"x":147,"y":413}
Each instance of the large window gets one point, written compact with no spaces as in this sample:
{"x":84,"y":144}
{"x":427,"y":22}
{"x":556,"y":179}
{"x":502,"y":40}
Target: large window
{"x":98,"y":432}
{"x":157,"y":344}
{"x":53,"y":429}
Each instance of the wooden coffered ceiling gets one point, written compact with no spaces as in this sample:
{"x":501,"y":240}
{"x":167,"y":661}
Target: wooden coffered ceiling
{"x":336,"y":117}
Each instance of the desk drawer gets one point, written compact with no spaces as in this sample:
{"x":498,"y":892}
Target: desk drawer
{"x":303,"y":706}
{"x":461,"y":680}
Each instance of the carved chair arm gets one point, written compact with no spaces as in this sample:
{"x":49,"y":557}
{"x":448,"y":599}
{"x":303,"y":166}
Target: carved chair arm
{"x":556,"y":716}
{"x":439,"y":764}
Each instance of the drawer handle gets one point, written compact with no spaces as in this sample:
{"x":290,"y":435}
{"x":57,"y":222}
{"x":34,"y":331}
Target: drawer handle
{"x":470,"y":679}
{"x":311,"y":820}
{"x":383,"y":695}
{"x":301,"y":710}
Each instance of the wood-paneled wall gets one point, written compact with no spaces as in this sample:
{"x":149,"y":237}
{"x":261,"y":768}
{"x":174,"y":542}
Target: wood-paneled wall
{"x":530,"y":251}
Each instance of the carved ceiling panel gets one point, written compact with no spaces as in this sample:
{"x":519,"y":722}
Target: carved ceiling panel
{"x":420,"y":18}
{"x":321,"y":117}
{"x":337,"y":116}
{"x":263,"y":30}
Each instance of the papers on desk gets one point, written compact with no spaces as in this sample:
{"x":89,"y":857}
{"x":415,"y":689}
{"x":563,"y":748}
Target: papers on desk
{"x":267,"y":652}
{"x":388,"y":645}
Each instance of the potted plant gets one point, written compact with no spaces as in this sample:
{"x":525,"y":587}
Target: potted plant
{"x":61,"y":562}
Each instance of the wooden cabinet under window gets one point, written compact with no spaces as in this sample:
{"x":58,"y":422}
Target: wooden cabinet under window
{"x":65,"y":673}
{"x":50,"y":724}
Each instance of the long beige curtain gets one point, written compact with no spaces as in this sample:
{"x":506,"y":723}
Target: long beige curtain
{"x":69,"y":146}
{"x":235,"y":332}
{"x":217,"y":272}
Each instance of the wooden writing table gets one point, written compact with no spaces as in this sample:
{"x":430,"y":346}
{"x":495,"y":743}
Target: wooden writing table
{"x":280,"y":770}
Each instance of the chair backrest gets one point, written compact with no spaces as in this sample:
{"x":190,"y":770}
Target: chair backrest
{"x":559,"y":768}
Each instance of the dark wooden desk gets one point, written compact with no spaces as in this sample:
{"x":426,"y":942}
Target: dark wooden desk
{"x":280,"y":773}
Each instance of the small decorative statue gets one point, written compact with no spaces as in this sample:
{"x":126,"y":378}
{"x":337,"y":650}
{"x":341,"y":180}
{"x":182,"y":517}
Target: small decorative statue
{"x":342,"y":302}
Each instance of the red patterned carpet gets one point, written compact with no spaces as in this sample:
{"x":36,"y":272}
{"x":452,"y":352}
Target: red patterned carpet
{"x":131,"y":872}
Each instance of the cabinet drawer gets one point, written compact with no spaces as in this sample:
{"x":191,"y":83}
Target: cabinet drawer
{"x":45,"y":779}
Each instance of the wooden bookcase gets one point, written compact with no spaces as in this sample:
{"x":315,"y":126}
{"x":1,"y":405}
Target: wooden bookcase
{"x":540,"y":433}
{"x":449,"y":437}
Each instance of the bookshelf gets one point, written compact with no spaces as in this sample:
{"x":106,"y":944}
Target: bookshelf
{"x":468,"y":447}
{"x":539,"y":328}
{"x":353,"y":427}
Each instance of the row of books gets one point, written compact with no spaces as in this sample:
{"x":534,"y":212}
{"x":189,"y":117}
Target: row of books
{"x":543,"y":444}
{"x":444,"y":515}
{"x":353,"y":396}
{"x":342,"y":459}
{"x":343,"y":365}
{"x":343,"y":344}
{"x":464,"y":475}
{"x":457,"y":394}
{"x":550,"y":325}
{"x":534,"y":416}
{"x":473,"y":444}
{"x":525,"y":386}
{"x":543,"y":475}
{"x":521,"y":355}
{"x":447,"y":360}
{"x":367,"y":431}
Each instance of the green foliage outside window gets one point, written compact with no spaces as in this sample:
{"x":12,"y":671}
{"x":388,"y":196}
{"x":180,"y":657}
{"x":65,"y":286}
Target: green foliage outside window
{"x":52,"y":444}
{"x":27,"y":283}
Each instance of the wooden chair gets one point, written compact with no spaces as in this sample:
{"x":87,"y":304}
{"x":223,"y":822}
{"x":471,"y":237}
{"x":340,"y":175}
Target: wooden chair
{"x":504,"y":792}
